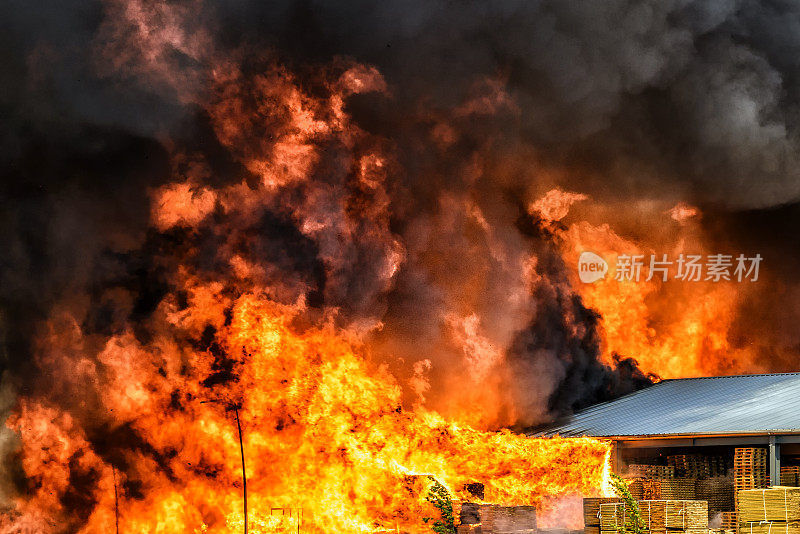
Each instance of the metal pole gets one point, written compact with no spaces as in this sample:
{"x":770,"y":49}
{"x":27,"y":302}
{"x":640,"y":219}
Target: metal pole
{"x":244,"y":475}
{"x":116,"y":498}
{"x":774,"y":462}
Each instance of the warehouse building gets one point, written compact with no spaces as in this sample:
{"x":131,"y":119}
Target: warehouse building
{"x":701,"y":438}
{"x":710,"y":416}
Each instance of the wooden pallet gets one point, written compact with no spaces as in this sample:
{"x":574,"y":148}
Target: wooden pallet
{"x":678,"y":489}
{"x":729,"y":520}
{"x":790,"y":476}
{"x":591,"y":509}
{"x":718,"y":492}
{"x":749,"y":470}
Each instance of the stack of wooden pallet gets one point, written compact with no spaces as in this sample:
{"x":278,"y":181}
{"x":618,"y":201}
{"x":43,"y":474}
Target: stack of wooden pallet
{"x":769,"y":511}
{"x":651,"y":471}
{"x":659,"y":517}
{"x":690,"y":465}
{"x":718,"y":492}
{"x":678,"y":489}
{"x":651,"y":489}
{"x":729,"y":520}
{"x":790,"y":476}
{"x":591,"y":512}
{"x":721,"y":465}
{"x":749,"y":470}
{"x":674,"y":515}
{"x":636,"y":487}
{"x":699,"y":465}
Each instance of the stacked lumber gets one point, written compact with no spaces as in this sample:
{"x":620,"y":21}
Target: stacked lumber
{"x":591,"y":509}
{"x":496,"y":519}
{"x":749,"y":470}
{"x":674,"y":515}
{"x":636,"y":487}
{"x":653,"y":513}
{"x":651,"y":489}
{"x":721,"y":531}
{"x":790,"y":476}
{"x":613,"y":516}
{"x":770,"y":527}
{"x":509,"y":520}
{"x":774,"y":504}
{"x":729,"y":520}
{"x":690,"y":465}
{"x":686,"y":515}
{"x":717,"y":491}
{"x":651,"y":471}
{"x":681,"y":489}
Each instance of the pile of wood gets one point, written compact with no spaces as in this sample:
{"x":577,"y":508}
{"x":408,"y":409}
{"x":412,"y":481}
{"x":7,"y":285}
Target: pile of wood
{"x":749,"y":470}
{"x":659,"y":516}
{"x":495,"y":519}
{"x":591,"y":509}
{"x":636,"y":487}
{"x":769,"y":511}
{"x":678,"y":489}
{"x":698,"y":465}
{"x":718,"y":492}
{"x":729,"y":520}
{"x":774,"y":504}
{"x":686,"y":515}
{"x":613,"y":516}
{"x":770,"y":527}
{"x":651,"y":489}
{"x":790,"y":476}
{"x":651,"y":471}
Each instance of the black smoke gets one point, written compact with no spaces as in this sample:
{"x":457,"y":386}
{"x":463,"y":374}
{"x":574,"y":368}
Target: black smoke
{"x":676,"y":100}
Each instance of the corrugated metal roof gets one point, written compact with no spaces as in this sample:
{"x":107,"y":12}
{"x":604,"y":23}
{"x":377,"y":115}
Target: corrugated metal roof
{"x":716,"y":405}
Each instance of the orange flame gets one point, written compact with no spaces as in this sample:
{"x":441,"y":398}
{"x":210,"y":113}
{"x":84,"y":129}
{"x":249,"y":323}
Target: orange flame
{"x":323,"y":430}
{"x":672,"y":329}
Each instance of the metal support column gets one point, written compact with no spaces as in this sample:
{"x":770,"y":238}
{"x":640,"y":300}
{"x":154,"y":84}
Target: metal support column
{"x":774,"y":462}
{"x":616,"y":457}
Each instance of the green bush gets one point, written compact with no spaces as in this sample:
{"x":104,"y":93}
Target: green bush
{"x":440,"y":498}
{"x":633,"y":524}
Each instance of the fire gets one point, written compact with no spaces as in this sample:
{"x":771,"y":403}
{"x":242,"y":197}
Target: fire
{"x":140,"y":427}
{"x":672,"y":330}
{"x":324,"y":430}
